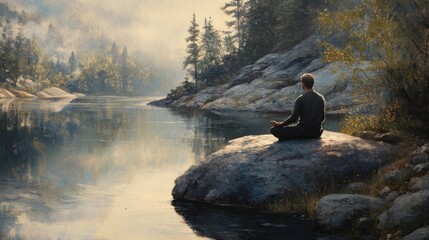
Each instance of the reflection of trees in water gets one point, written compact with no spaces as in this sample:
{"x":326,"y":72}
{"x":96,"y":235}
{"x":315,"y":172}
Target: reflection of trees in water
{"x":29,"y":136}
{"x":212,"y":131}
{"x":39,"y":165}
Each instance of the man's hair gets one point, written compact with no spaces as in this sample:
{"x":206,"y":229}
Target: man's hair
{"x":308,"y":80}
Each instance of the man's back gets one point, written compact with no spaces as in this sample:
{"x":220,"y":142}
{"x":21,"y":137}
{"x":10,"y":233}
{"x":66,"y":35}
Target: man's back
{"x":312,"y":111}
{"x":309,"y":109}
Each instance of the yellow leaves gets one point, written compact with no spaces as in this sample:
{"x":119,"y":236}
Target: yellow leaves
{"x":334,"y":54}
{"x":341,"y":21}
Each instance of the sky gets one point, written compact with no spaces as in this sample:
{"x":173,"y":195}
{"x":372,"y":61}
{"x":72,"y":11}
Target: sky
{"x":156,"y":28}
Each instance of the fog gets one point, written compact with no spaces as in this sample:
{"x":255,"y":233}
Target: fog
{"x":154,"y":29}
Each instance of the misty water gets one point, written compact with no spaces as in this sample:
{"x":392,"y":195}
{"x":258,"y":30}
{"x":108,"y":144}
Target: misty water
{"x":104,"y":167}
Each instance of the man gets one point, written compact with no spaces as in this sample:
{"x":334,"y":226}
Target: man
{"x":309,"y":108}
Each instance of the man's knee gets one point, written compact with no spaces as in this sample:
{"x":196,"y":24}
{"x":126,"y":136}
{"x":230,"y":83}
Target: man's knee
{"x":275,"y":131}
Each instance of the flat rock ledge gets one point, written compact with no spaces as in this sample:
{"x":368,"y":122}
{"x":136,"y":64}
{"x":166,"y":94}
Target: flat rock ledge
{"x":254,"y":171}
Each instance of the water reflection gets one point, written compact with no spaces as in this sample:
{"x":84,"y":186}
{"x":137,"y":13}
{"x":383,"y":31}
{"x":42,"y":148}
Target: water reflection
{"x":228,"y":223}
{"x":103,"y":167}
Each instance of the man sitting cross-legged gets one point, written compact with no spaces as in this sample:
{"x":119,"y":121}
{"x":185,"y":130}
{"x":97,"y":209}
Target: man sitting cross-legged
{"x":309,"y":109}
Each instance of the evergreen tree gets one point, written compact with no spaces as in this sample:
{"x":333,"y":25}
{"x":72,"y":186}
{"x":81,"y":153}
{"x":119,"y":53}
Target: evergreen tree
{"x":211,"y":45}
{"x":54,"y":39}
{"x":125,"y":71}
{"x":295,"y":20}
{"x":114,"y":53}
{"x":7,"y":52}
{"x":19,"y":58}
{"x":193,"y":50}
{"x":213,"y":53}
{"x":237,"y":10}
{"x":229,"y":45}
{"x":259,"y":35}
{"x":72,"y":62}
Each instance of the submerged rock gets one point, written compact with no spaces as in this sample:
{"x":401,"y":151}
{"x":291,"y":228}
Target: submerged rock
{"x":336,"y":212}
{"x":256,"y":170}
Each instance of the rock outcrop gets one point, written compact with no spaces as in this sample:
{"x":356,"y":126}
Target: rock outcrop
{"x":272,"y":84}
{"x":54,"y":93}
{"x":256,"y":170}
{"x":22,"y":94}
{"x":4,"y":93}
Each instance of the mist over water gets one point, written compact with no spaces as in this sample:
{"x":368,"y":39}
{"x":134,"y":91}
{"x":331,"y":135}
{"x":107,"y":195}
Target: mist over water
{"x":153,"y":30}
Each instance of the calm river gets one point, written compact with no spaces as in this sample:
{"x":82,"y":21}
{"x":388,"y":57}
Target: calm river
{"x":104,"y":167}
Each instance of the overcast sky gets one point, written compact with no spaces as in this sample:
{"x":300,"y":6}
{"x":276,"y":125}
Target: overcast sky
{"x":155,"y":27}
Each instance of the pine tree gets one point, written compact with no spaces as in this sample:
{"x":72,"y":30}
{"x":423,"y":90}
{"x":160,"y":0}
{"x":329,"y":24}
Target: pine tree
{"x":114,"y":52}
{"x":237,"y":10}
{"x":193,"y":50}
{"x":7,"y":49}
{"x":19,"y":62}
{"x":213,"y":53}
{"x":211,"y":45}
{"x":258,"y":34}
{"x":125,"y":71}
{"x":72,"y":62}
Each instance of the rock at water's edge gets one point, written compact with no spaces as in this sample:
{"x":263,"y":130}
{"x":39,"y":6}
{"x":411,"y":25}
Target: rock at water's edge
{"x":256,"y":170}
{"x":4,"y":93}
{"x":54,"y":92}
{"x":22,"y":94}
{"x":336,"y":212}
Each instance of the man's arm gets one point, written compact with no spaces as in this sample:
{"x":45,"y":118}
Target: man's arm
{"x":295,"y":114}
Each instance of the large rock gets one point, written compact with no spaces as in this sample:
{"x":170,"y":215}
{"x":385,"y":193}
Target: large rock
{"x":337,"y":212}
{"x":54,"y":93}
{"x":408,"y":212}
{"x":256,"y":170}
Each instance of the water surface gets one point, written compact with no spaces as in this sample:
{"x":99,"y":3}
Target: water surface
{"x":104,"y":167}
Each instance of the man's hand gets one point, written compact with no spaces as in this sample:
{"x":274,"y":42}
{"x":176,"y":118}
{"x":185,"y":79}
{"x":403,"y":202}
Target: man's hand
{"x":276,"y":124}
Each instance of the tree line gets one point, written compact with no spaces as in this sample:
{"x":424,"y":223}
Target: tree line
{"x":104,"y":71}
{"x":256,"y":28}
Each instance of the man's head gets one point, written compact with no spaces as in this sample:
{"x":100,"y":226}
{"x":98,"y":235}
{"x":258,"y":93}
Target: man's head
{"x":307,"y":81}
